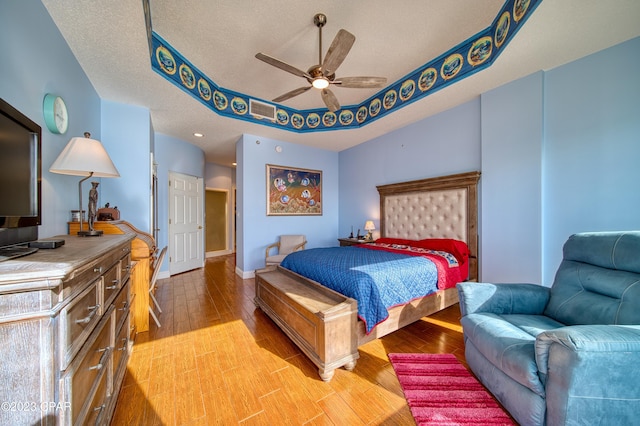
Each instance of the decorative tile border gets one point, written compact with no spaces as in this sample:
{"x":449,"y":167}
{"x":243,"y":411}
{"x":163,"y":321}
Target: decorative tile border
{"x":467,"y":58}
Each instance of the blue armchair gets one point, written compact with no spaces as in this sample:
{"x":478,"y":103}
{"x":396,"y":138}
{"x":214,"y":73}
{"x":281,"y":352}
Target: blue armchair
{"x":569,"y":354}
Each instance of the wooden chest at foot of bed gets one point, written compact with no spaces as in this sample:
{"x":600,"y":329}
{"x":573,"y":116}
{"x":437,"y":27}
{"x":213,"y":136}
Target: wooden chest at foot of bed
{"x":318,"y":320}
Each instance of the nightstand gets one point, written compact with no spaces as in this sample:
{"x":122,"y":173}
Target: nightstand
{"x":351,"y":241}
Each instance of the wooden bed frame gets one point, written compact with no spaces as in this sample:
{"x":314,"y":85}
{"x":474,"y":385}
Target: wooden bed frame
{"x":324,"y":324}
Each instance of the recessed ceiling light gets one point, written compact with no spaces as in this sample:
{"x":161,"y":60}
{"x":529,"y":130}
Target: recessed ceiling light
{"x":198,"y":135}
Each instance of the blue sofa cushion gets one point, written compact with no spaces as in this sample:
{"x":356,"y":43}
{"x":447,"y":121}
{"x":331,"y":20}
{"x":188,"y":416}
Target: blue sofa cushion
{"x":611,"y":250}
{"x":508,"y":342}
{"x":597,"y":281}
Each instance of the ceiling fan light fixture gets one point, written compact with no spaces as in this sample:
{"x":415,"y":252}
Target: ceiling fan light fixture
{"x":320,"y":83}
{"x":322,"y":75}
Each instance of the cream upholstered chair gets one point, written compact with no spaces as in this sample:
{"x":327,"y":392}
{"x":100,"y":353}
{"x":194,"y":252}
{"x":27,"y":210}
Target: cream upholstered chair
{"x":286,"y":245}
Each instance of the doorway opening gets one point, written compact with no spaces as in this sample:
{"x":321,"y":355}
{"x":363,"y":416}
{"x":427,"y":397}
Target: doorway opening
{"x":217,"y":225}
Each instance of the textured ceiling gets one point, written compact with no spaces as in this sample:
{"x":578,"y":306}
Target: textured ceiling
{"x":221,"y":39}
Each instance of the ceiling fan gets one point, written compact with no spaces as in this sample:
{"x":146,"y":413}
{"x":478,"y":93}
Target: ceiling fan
{"x":322,"y":75}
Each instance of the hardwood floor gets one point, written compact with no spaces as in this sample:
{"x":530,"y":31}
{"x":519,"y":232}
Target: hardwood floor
{"x":217,"y":359}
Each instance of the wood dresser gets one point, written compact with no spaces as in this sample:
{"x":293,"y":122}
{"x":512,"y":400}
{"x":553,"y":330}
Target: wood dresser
{"x":143,"y":249}
{"x":65,"y":334}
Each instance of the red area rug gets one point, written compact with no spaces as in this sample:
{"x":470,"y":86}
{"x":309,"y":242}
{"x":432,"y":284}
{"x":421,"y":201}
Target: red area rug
{"x":441,"y":391}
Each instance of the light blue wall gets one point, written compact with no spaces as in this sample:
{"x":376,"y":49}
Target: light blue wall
{"x":125,"y":136}
{"x":219,"y":177}
{"x":174,"y":155}
{"x":592,"y":147}
{"x":446,"y":143}
{"x":240,"y":208}
{"x":256,"y":229}
{"x":587,"y":166}
{"x":38,"y":61}
{"x":511,"y":182}
{"x":35,"y":61}
{"x":558,"y":152}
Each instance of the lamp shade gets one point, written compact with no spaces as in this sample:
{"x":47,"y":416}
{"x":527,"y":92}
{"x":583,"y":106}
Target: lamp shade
{"x":369,"y":226}
{"x":83,"y":156}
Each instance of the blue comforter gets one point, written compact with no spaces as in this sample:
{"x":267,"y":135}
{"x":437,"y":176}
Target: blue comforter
{"x":376,"y":279}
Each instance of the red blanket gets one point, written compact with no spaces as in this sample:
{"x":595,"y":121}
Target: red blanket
{"x":451,"y":257}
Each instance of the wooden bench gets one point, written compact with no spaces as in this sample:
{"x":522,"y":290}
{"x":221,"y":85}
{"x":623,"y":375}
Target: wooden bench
{"x":320,"y":321}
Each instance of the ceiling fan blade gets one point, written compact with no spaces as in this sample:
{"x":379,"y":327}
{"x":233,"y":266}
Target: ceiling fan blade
{"x":291,"y":94}
{"x":337,"y":51}
{"x":360,"y":82}
{"x":330,"y":100}
{"x":282,"y":65}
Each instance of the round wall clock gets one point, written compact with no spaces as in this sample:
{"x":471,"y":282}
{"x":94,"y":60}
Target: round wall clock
{"x":55,"y":114}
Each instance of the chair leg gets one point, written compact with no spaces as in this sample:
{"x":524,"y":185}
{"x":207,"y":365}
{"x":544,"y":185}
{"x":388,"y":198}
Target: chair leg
{"x":155,"y":301}
{"x":155,"y":318}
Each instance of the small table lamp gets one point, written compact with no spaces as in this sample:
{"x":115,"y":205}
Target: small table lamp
{"x":84,"y":157}
{"x":369,"y":226}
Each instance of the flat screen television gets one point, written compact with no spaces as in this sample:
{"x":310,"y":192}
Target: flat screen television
{"x":20,"y":177}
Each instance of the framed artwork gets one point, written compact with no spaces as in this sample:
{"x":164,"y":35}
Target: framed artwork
{"x":292,"y":191}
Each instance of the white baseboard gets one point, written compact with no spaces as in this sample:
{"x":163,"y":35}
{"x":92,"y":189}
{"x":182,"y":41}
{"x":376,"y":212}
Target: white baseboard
{"x":218,"y":253}
{"x":245,"y":274}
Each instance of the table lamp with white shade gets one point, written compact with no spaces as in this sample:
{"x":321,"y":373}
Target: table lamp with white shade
{"x":84,"y":157}
{"x":369,"y":226}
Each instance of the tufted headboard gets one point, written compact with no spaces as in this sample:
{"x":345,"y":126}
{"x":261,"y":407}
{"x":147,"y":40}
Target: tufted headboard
{"x":440,"y":207}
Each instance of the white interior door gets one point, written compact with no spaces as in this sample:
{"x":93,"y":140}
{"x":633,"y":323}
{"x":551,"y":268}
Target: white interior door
{"x":186,"y":247}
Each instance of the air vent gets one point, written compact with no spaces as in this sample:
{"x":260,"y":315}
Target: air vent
{"x":260,"y":109}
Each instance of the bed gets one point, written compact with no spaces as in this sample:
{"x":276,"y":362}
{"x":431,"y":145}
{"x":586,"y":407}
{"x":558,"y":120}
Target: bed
{"x":325,"y":324}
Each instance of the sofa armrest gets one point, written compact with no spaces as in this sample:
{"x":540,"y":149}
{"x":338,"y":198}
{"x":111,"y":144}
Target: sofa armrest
{"x":584,"y":339}
{"x":590,"y":373}
{"x":502,"y":299}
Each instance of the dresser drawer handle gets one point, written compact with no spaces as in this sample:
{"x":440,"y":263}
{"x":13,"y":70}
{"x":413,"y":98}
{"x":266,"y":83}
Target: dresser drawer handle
{"x":114,"y":286}
{"x":88,"y":318}
{"x":125,"y":306}
{"x":96,"y":367}
{"x":100,"y":365}
{"x":99,"y":408}
{"x":124,"y":345}
{"x":98,"y":269}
